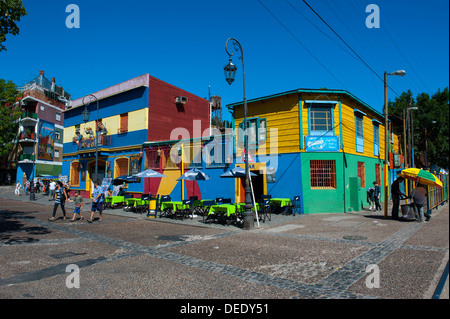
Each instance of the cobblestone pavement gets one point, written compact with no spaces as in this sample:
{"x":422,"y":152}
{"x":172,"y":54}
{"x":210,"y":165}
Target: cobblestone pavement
{"x":322,"y":256}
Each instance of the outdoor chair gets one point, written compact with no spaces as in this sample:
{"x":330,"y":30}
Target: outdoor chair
{"x":205,"y":210}
{"x":157,"y":204}
{"x":226,"y":201}
{"x":294,"y":208}
{"x":266,"y":210}
{"x":167,"y":212}
{"x":219,"y":200}
{"x":185,"y":212}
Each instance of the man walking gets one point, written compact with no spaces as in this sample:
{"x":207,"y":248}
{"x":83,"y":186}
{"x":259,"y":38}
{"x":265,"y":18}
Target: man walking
{"x":97,"y":201}
{"x":396,"y":196}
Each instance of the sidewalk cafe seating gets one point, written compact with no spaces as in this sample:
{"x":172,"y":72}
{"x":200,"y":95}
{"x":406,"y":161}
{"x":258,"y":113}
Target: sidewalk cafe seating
{"x":266,"y":210}
{"x":205,"y":208}
{"x":114,"y":201}
{"x":185,"y":210}
{"x":294,"y":207}
{"x":166,"y":211}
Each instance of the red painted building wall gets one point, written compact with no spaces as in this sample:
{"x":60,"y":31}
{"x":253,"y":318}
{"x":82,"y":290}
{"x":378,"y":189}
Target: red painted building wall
{"x":166,"y":115}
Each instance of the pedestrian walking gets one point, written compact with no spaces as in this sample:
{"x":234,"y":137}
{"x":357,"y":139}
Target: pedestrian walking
{"x":17,"y":190}
{"x":27,"y":187}
{"x":61,"y":197}
{"x":377,"y":195}
{"x":52,"y":188}
{"x":396,"y":196}
{"x":78,"y":206}
{"x":97,"y":202}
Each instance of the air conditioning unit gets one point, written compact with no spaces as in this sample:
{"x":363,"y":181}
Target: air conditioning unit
{"x":181,"y":99}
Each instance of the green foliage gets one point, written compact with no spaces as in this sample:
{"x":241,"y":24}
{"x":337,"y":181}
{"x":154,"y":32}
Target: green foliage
{"x":10,"y":12}
{"x":8,"y":117}
{"x":430,"y":123}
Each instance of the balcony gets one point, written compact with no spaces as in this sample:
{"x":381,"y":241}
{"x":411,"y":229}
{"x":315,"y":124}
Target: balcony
{"x":28,"y":114}
{"x":104,"y":141}
{"x":27,"y":137}
{"x":26,"y":158}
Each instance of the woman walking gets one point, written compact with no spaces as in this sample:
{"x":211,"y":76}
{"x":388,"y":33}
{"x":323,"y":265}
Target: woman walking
{"x":61,"y":198}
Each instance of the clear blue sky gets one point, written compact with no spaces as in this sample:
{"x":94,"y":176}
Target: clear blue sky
{"x":183,"y":43}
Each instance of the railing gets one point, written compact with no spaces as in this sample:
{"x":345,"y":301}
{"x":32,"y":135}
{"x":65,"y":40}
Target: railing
{"x":438,"y":195}
{"x":24,"y":157}
{"x":27,"y":136}
{"x":29,"y":114}
{"x":87,"y":143}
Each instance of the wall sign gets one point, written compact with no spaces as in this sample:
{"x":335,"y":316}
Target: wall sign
{"x":321,"y":143}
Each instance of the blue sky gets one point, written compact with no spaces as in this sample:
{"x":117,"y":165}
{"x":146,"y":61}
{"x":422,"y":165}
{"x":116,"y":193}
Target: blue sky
{"x":183,"y":43}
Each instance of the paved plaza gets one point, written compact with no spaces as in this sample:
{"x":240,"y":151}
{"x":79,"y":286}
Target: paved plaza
{"x":358,"y":255}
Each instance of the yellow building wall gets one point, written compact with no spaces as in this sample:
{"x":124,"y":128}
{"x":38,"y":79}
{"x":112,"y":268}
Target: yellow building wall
{"x":137,"y":120}
{"x":281,"y":113}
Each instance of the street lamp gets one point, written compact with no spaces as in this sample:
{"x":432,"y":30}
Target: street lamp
{"x":386,"y":138}
{"x":85,"y":114}
{"x":230,"y":72}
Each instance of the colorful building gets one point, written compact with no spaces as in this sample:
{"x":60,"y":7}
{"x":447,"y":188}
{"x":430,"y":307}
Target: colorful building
{"x":327,"y":146}
{"x":143,"y":109}
{"x":41,"y":126}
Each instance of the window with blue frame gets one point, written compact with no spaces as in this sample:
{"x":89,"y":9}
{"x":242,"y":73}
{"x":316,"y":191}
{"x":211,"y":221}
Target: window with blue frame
{"x":256,"y":130}
{"x":320,"y":120}
{"x":376,"y":138}
{"x":359,"y":131}
{"x":219,"y":151}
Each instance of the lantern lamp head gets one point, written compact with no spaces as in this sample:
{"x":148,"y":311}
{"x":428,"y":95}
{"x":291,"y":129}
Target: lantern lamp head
{"x":230,"y":72}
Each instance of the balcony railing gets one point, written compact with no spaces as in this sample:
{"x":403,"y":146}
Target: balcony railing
{"x":28,"y":114}
{"x":87,"y":143}
{"x":26,"y":157}
{"x":27,"y":136}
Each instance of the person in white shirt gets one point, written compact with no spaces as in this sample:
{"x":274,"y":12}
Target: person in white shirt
{"x":52,"y":187}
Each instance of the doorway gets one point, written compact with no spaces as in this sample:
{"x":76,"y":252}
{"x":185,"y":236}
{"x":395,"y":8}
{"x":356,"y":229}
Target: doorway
{"x":91,"y":175}
{"x":258,"y":186}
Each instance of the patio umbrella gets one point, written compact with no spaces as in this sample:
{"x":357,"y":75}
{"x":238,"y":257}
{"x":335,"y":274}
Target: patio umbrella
{"x":149,"y":173}
{"x":125,"y":179}
{"x":236,"y":173}
{"x":421,"y":176}
{"x":194,"y":175}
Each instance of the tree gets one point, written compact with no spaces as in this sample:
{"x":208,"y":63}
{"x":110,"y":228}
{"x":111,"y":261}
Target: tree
{"x":10,"y":12}
{"x":8,"y":118}
{"x":430,"y":124}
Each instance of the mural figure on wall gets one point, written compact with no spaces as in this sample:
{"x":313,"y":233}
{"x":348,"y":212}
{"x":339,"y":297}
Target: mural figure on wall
{"x":46,"y":136}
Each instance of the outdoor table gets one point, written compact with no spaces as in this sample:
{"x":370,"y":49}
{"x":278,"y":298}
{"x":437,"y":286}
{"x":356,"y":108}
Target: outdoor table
{"x":174,"y":205}
{"x":133,"y":201}
{"x":114,"y":200}
{"x":229,"y":209}
{"x":241,"y":207}
{"x":281,"y":202}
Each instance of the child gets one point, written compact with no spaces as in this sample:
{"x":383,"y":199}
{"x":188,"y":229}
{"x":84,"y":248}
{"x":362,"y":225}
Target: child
{"x":61,"y":198}
{"x":78,"y":206}
{"x":370,"y":199}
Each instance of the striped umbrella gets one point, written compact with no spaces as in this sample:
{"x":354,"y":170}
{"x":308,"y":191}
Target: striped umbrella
{"x":421,"y":176}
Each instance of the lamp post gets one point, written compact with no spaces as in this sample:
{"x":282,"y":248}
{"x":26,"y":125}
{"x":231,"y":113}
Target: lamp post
{"x":230,"y":72}
{"x":85,"y":114}
{"x":386,"y":139}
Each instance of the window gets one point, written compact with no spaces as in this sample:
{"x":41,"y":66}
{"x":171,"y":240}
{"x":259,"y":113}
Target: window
{"x":362,"y":173}
{"x":56,"y":154}
{"x":320,"y":120}
{"x":121,"y":167}
{"x":378,"y":174}
{"x":219,"y":152}
{"x":58,"y":117}
{"x":323,"y":174}
{"x":75,"y":174}
{"x":359,"y":134}
{"x":376,"y":139}
{"x":123,"y":123}
{"x":257,"y":132}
